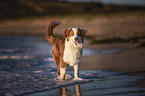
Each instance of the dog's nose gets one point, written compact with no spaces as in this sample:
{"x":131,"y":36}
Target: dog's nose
{"x":76,"y":39}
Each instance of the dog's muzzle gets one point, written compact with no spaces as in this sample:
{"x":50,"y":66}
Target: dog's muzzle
{"x":76,"y":41}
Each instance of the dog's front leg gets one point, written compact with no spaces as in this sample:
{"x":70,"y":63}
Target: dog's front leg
{"x":62,"y":73}
{"x":76,"y":72}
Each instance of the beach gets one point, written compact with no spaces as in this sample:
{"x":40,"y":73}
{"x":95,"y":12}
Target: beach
{"x":29,"y":69}
{"x":129,"y":59}
{"x":112,"y":62}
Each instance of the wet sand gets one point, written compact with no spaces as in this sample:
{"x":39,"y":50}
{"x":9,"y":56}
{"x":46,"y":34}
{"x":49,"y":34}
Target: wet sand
{"x":114,"y":69}
{"x":106,"y":83}
{"x":129,"y":59}
{"x":125,"y":78}
{"x":27,"y":68}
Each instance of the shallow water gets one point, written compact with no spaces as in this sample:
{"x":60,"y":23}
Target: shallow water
{"x":27,"y":67}
{"x":87,"y":52}
{"x":106,"y":83}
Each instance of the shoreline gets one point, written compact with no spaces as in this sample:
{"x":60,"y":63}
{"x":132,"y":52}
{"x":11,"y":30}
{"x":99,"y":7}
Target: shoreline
{"x":130,"y":59}
{"x":29,"y":69}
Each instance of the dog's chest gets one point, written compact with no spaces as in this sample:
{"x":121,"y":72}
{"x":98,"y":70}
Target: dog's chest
{"x":72,"y":54}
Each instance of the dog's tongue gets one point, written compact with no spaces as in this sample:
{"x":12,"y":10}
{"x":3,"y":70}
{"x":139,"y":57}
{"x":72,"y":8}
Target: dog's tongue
{"x":76,"y":42}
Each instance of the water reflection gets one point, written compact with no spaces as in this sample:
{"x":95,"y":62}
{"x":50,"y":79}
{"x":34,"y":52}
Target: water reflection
{"x":63,"y":91}
{"x":27,"y":67}
{"x":106,"y":83}
{"x":87,"y":52}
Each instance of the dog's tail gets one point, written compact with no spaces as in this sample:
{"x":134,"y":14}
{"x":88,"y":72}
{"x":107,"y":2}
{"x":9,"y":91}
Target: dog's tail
{"x":49,"y":33}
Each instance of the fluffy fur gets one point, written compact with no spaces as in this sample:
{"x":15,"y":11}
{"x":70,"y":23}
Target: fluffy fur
{"x":66,"y":49}
{"x":72,"y":53}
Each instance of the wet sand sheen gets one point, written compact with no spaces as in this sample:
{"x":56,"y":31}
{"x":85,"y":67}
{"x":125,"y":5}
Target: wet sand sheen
{"x":27,"y":67}
{"x":106,"y":83}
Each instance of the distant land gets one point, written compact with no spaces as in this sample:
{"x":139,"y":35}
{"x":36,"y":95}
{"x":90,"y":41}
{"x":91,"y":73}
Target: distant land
{"x":117,"y":2}
{"x":35,"y":8}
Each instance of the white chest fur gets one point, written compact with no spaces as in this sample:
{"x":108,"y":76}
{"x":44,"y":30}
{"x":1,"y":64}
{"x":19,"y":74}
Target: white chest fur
{"x":72,"y":53}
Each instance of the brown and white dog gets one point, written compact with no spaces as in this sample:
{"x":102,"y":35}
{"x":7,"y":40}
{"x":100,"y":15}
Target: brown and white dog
{"x":66,"y":49}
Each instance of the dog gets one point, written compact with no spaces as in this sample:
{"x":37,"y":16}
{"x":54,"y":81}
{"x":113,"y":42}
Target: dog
{"x":66,"y":50}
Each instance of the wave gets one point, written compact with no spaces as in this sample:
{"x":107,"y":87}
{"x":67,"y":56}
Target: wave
{"x":16,"y":57}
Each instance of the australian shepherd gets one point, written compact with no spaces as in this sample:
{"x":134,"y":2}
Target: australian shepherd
{"x":66,"y":50}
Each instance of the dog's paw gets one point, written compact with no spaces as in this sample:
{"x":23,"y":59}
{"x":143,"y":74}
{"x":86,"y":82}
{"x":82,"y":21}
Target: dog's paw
{"x":68,"y":76}
{"x":61,"y":78}
{"x":77,"y":79}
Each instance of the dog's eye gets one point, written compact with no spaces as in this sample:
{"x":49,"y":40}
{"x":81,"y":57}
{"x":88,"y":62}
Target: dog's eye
{"x":72,"y":33}
{"x":79,"y":34}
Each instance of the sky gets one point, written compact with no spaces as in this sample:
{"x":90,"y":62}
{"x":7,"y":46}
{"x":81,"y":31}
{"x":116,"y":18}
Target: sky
{"x":118,"y":2}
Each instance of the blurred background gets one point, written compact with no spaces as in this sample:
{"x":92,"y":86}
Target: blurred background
{"x":117,"y":18}
{"x":111,"y":24}
{"x":115,"y":41}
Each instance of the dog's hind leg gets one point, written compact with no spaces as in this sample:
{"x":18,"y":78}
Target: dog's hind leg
{"x":62,"y":69}
{"x":62,"y":73}
{"x":57,"y":62}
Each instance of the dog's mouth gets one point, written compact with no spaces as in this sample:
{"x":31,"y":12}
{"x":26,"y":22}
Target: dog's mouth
{"x":76,"y":42}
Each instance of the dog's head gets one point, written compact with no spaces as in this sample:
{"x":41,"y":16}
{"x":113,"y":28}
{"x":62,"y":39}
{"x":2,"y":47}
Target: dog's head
{"x":75,"y":34}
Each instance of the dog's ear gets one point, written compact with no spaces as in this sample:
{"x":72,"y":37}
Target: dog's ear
{"x":84,"y":32}
{"x":66,"y":32}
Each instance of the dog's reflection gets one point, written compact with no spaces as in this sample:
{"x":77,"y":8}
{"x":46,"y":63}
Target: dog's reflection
{"x":64,"y":92}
